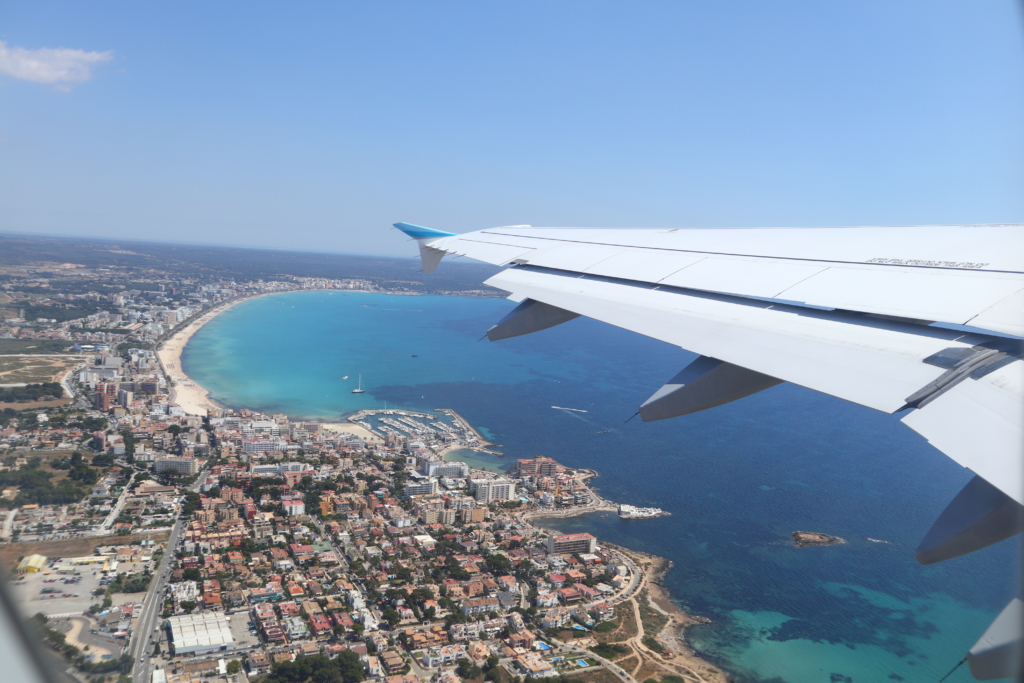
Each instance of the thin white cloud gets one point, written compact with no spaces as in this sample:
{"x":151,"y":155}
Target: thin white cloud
{"x":60,"y":66}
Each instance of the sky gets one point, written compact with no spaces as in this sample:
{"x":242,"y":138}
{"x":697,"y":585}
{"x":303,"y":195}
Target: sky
{"x":315,"y":126}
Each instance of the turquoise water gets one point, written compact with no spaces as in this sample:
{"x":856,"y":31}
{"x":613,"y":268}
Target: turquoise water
{"x":738,"y":479}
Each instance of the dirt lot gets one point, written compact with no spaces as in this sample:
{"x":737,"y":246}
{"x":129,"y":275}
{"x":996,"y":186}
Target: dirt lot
{"x":35,"y":369}
{"x":75,"y":547}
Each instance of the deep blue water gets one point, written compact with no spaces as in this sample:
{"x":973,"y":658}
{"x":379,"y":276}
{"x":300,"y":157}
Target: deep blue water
{"x":738,"y":479}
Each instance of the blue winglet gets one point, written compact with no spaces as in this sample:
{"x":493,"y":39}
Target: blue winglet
{"x":419,"y":232}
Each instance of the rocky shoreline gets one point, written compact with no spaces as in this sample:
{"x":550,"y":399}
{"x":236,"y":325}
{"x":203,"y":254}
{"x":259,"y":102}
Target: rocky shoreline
{"x":804,"y":539}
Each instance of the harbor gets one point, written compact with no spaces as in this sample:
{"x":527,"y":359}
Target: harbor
{"x":441,"y":432}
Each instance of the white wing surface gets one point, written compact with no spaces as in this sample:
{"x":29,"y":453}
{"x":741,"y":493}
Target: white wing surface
{"x":869,"y":315}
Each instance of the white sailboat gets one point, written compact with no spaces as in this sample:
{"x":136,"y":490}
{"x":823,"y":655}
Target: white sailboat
{"x":359,"y":389}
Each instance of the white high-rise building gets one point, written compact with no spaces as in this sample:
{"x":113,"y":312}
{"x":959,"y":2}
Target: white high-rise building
{"x":424,"y":486}
{"x":178,"y":464}
{"x":443,"y":468}
{"x":491,"y":490}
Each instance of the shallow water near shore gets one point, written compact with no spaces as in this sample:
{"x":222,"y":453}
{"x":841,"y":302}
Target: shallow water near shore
{"x":738,"y":479}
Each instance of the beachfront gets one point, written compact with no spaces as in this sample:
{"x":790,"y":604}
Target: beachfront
{"x":193,"y":399}
{"x":654,"y":615}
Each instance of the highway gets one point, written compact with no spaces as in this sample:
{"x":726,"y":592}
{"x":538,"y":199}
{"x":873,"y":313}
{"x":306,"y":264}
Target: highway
{"x":141,"y":643}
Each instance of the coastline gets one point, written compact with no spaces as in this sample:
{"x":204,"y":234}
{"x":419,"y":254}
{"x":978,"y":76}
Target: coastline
{"x":184,"y":391}
{"x":676,"y":658}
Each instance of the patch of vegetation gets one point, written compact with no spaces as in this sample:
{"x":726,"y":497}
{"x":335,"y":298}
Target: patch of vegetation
{"x":32,"y":346}
{"x":34,"y":485}
{"x":610,"y":650}
{"x":131,"y":583}
{"x":61,"y":313}
{"x":652,"y":619}
{"x":31,"y":392}
{"x":346,"y":668}
{"x":652,"y":643}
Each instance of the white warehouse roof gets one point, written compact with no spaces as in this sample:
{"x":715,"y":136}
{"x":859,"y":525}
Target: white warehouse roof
{"x":200,"y":632}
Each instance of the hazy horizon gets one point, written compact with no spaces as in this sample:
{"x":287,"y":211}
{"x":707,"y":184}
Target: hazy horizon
{"x":314,"y":128}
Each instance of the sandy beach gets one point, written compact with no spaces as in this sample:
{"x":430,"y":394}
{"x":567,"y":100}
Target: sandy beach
{"x":672,"y":655}
{"x":193,"y":399}
{"x":352,"y":428}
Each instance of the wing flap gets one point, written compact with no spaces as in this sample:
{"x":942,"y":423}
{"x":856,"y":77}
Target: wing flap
{"x":1005,"y":316}
{"x":868,"y":361}
{"x":993,"y":444}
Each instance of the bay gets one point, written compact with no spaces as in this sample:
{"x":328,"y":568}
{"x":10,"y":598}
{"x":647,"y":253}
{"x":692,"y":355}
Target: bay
{"x":738,"y":479}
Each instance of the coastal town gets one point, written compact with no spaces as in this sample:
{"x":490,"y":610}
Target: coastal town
{"x":158,"y":536}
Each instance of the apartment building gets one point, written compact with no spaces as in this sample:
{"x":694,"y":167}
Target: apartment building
{"x":572,"y":543}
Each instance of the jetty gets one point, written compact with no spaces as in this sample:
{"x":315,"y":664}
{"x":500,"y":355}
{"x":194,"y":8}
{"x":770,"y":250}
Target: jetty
{"x":633,"y":512}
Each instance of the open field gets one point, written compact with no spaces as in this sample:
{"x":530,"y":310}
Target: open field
{"x":626,"y":619}
{"x":74,"y":547}
{"x":29,"y":405}
{"x":595,"y":676}
{"x":630,"y":663}
{"x":33,"y":346}
{"x":34,"y":369}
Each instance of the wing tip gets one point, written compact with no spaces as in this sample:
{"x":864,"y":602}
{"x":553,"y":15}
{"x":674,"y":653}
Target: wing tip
{"x":419,"y":232}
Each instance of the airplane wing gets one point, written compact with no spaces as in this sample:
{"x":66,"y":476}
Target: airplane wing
{"x":873,"y":315}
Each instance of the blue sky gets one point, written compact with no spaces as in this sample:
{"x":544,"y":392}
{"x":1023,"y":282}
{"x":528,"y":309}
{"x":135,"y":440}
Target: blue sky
{"x":316,"y":126}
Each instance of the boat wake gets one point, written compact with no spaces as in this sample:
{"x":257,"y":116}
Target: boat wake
{"x":575,"y":410}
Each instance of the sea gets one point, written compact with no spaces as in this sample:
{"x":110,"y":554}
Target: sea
{"x":738,"y":479}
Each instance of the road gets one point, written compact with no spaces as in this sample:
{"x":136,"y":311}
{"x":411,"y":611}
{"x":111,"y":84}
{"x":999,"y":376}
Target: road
{"x":112,"y":517}
{"x":9,"y":523}
{"x":142,"y":637}
{"x":65,"y":381}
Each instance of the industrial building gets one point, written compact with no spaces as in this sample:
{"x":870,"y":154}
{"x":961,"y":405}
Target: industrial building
{"x":197,"y":634}
{"x":32,"y":564}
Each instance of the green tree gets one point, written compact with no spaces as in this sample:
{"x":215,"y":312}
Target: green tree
{"x":467,"y":669}
{"x":234,"y":666}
